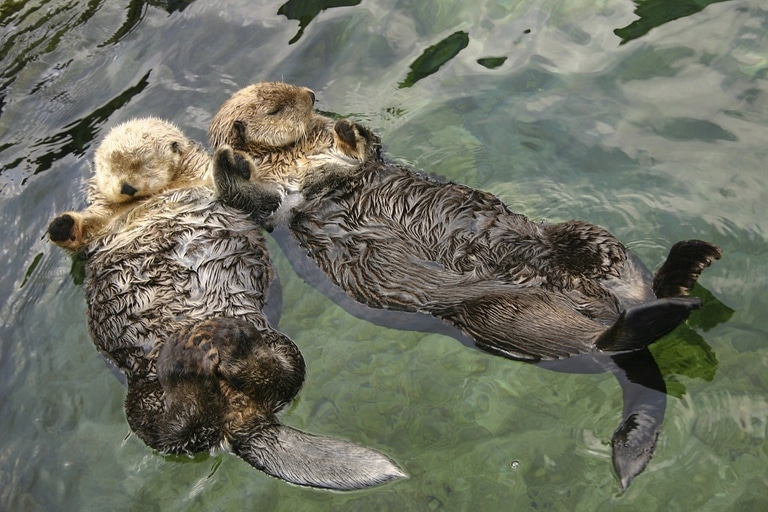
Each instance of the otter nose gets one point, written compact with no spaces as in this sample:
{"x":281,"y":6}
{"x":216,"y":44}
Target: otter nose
{"x":128,"y":190}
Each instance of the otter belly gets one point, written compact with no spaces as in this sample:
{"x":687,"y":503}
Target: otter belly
{"x":180,"y":258}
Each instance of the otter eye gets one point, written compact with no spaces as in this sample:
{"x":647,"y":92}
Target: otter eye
{"x":275,"y":111}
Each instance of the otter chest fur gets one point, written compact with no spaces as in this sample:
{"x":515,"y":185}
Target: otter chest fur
{"x":179,"y":258}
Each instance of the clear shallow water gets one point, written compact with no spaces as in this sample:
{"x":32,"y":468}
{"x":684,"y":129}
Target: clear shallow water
{"x":658,"y":139}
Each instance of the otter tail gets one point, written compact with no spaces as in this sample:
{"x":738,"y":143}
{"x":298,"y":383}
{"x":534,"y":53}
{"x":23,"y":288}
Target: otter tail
{"x":683,"y":267}
{"x":315,"y":461}
{"x":641,"y":325}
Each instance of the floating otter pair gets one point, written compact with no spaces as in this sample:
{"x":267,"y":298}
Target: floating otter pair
{"x":176,"y":284}
{"x":394,"y":239}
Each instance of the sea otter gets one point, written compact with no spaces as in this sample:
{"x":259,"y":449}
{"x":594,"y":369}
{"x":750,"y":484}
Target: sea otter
{"x":394,"y":239}
{"x":175,"y":292}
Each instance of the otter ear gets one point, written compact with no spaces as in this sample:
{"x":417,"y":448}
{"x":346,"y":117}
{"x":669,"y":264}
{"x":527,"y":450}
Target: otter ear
{"x":315,"y":461}
{"x":176,"y":147}
{"x":239,"y":135}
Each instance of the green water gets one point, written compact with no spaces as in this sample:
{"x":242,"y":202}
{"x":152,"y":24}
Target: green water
{"x":648,"y":118}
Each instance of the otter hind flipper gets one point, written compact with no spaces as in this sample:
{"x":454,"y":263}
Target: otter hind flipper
{"x":641,"y":325}
{"x":633,"y":444}
{"x":315,"y":461}
{"x":683,"y":266}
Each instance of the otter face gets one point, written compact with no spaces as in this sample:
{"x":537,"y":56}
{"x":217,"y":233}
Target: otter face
{"x":265,"y":114}
{"x":138,"y":159}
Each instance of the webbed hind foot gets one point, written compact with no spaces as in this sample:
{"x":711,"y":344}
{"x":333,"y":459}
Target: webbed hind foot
{"x":641,"y":325}
{"x":263,"y":364}
{"x":683,"y":267}
{"x":192,"y":352}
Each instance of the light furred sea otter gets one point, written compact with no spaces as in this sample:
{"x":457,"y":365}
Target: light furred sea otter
{"x":176,"y":283}
{"x":395,"y":239}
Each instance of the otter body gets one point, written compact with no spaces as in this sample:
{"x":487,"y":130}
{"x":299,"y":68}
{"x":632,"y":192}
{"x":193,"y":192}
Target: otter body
{"x":395,"y":239}
{"x":178,"y":259}
{"x":175,"y":289}
{"x":392,"y":239}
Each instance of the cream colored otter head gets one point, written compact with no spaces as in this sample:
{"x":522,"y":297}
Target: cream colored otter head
{"x":140,"y":158}
{"x":265,"y":114}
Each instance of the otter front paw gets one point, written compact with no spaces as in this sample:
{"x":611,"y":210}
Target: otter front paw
{"x":233,"y":174}
{"x":346,"y":131}
{"x":66,"y":231}
{"x":356,"y":141}
{"x":231,"y":164}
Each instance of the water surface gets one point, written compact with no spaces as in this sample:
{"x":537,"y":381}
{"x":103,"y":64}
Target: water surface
{"x":648,"y":118}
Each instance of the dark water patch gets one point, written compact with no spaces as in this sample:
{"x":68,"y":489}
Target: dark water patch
{"x":491,"y":62}
{"x":304,"y":11}
{"x":685,"y":128}
{"x":137,"y":10}
{"x":654,"y":13}
{"x":134,"y":14}
{"x":78,"y":135}
{"x":31,"y":268}
{"x":434,"y":57}
{"x":33,"y":36}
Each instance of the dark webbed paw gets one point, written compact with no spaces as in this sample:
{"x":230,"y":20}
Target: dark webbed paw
{"x":683,"y":266}
{"x":234,"y":177}
{"x":345,"y":129}
{"x":229,"y":168}
{"x":190,"y":354}
{"x":61,"y":229}
{"x":264,"y":364}
{"x":357,"y":141}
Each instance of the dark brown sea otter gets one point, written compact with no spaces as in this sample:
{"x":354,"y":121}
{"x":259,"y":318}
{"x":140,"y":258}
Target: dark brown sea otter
{"x":394,"y":239}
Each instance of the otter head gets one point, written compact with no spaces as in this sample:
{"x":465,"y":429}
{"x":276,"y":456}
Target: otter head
{"x":263,"y":115}
{"x":138,"y":159}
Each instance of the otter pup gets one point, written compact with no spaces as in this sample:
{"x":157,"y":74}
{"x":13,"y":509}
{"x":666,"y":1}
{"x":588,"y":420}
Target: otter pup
{"x":395,"y":239}
{"x":129,"y":167}
{"x":175,"y":289}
